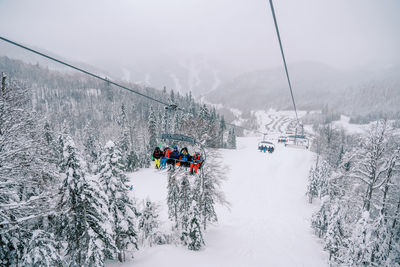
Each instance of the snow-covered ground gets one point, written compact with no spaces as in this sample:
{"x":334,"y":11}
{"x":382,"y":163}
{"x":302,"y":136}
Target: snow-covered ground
{"x":276,"y":122}
{"x":269,"y":220}
{"x":344,"y":123}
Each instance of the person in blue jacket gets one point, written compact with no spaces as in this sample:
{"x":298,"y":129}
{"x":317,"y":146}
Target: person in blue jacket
{"x":175,"y":153}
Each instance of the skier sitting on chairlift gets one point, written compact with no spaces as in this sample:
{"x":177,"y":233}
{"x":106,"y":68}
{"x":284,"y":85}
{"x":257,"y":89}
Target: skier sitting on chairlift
{"x":196,"y":163}
{"x":157,"y":155}
{"x":165,"y":156}
{"x":174,"y":155}
{"x":184,"y":157}
{"x":271,"y":149}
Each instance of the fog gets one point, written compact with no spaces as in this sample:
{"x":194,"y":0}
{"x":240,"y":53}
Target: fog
{"x":233,"y":36}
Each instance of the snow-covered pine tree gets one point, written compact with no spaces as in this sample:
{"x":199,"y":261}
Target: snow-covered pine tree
{"x":84,"y":213}
{"x":149,"y":223}
{"x":209,"y":184}
{"x":120,"y":206}
{"x":173,"y":197}
{"x":312,"y":187}
{"x":172,"y":97}
{"x":231,"y":143}
{"x":320,"y":219}
{"x":334,"y":233}
{"x":132,"y":161}
{"x":318,"y":180}
{"x":369,"y":161}
{"x":221,"y":132}
{"x":48,"y":133}
{"x":185,"y":202}
{"x":28,"y":175}
{"x":323,"y":173}
{"x":380,"y":239}
{"x":194,"y":237}
{"x":152,"y":130}
{"x":360,"y":248}
{"x":165,"y":122}
{"x":124,"y":140}
{"x":41,"y":250}
{"x":91,"y":148}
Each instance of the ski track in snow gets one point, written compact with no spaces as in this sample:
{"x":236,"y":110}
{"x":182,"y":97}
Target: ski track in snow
{"x":269,"y":220}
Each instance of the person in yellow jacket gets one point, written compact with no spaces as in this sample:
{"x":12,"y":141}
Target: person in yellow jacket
{"x":157,"y":155}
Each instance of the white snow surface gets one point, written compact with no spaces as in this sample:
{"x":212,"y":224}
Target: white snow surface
{"x":269,"y":220}
{"x":344,"y":123}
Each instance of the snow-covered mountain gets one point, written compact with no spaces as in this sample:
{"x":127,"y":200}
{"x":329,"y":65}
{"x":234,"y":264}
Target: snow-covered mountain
{"x":314,"y":85}
{"x":198,"y":74}
{"x":14,"y":52}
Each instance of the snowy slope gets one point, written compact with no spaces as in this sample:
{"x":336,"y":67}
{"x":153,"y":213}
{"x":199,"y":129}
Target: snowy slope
{"x":269,"y":221}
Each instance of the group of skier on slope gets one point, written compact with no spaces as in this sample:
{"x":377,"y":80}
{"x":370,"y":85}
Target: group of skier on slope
{"x":175,"y":157}
{"x":270,"y":149}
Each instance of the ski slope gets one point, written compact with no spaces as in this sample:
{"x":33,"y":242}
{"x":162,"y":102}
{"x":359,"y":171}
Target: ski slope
{"x":269,"y":220}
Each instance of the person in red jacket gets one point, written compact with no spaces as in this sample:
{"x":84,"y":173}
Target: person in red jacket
{"x":197,"y":160}
{"x":166,"y":154}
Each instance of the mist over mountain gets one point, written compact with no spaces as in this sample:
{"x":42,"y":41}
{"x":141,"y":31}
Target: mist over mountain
{"x":198,"y":74}
{"x":314,"y":86}
{"x":365,"y":93}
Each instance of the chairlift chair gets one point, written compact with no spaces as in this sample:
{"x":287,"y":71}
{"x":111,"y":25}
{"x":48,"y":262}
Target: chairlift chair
{"x":297,"y":141}
{"x":178,"y":139}
{"x":264,"y":143}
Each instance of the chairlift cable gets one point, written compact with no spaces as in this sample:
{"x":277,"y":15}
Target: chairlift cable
{"x":167,"y":105}
{"x":82,"y":70}
{"x":283,"y":57}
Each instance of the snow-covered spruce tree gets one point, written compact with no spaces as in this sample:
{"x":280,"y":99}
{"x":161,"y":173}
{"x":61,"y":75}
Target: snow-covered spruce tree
{"x":84,"y":214}
{"x":194,"y":237}
{"x":152,"y":130}
{"x":209,"y":184}
{"x":165,"y":122}
{"x":28,"y":175}
{"x":221,"y":132}
{"x":382,"y":226}
{"x":41,"y":250}
{"x":173,"y":197}
{"x":185,"y":202}
{"x":320,"y":219}
{"x":207,"y":127}
{"x":369,"y":161}
{"x":91,"y":148}
{"x":360,"y":247}
{"x":331,"y":144}
{"x":189,"y":214}
{"x":124,"y":140}
{"x":131,"y":163}
{"x":318,"y":180}
{"x":334,"y":235}
{"x":364,"y":187}
{"x":120,"y":206}
{"x":149,"y":223}
{"x":231,"y":143}
{"x":312,"y":187}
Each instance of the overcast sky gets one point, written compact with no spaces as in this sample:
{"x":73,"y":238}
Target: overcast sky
{"x":342,"y":33}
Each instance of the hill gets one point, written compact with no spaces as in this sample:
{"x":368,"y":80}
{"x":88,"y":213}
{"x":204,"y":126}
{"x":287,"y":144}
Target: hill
{"x":357,"y":93}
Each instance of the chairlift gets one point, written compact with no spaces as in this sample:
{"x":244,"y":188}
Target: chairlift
{"x":282,"y":139}
{"x":270,"y":146}
{"x":179,"y":139}
{"x":183,"y":141}
{"x":297,"y":141}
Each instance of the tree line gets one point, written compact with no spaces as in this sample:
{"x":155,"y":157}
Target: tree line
{"x":63,"y":189}
{"x":357,"y":179}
